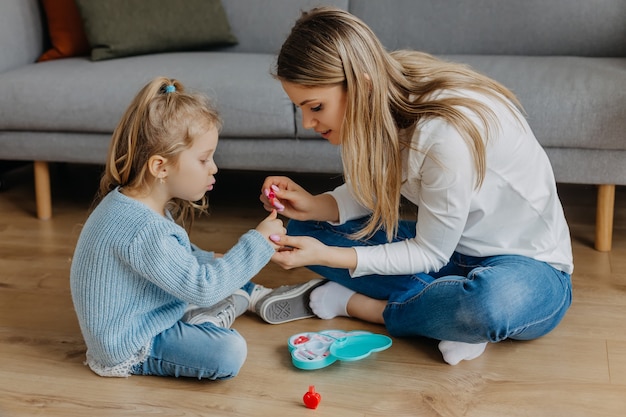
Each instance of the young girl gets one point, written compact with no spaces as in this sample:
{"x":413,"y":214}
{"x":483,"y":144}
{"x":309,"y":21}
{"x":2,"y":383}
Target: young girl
{"x":148,"y":301}
{"x":489,"y":257}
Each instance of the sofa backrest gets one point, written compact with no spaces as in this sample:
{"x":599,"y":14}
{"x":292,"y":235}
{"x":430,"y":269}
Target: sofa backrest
{"x":21,"y":33}
{"x":499,"y":27}
{"x":262,"y":26}
{"x":484,"y":27}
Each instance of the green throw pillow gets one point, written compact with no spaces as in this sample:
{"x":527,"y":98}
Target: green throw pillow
{"x":117,"y":28}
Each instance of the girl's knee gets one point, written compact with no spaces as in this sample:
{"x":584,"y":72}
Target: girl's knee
{"x":235,"y":351}
{"x":239,"y":349}
{"x":225,"y":360}
{"x":203,"y":351}
{"x":218,"y":353}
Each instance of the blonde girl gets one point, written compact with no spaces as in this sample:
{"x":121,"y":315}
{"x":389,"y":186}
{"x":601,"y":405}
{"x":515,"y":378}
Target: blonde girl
{"x":148,"y":301}
{"x":489,"y":256}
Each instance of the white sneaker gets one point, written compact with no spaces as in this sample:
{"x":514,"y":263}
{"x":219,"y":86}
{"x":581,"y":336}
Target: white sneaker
{"x":287,"y":303}
{"x":222,"y":314}
{"x":258,"y":293}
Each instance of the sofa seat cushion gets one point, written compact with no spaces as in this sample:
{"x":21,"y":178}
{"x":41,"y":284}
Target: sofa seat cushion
{"x":78,"y":95}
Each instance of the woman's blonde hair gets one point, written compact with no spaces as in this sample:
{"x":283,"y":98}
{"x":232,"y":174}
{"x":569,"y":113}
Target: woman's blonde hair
{"x":386,"y":92}
{"x":163,"y":119}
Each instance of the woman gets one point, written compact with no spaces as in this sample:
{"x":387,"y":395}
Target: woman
{"x":489,"y":257}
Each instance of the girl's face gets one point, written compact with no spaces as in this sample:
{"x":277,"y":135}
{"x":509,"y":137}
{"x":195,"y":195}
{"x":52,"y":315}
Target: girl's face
{"x":194,"y":174}
{"x":323,"y":108}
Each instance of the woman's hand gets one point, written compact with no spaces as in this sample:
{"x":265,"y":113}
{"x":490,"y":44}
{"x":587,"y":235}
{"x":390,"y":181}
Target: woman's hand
{"x":282,"y":194}
{"x":299,"y":251}
{"x":272,"y":227}
{"x":293,"y":201}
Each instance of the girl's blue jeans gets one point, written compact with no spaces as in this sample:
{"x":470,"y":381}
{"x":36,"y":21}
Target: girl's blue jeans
{"x":471,"y":299}
{"x":201,"y":351}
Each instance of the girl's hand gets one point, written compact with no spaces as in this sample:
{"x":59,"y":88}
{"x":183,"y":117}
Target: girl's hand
{"x":272,"y":227}
{"x":293,"y":201}
{"x":299,"y":251}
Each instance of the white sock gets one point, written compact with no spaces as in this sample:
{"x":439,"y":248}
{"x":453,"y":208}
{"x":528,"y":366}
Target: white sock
{"x":258,"y":292}
{"x":330,"y":300}
{"x":455,"y":352}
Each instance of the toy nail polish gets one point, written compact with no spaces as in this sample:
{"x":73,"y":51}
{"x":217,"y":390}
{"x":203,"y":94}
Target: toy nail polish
{"x":311,"y":398}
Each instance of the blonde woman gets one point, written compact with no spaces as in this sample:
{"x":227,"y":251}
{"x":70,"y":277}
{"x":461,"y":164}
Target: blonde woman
{"x":148,"y":301}
{"x":489,"y":256}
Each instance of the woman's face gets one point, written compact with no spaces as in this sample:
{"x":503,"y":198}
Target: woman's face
{"x":323,"y":108}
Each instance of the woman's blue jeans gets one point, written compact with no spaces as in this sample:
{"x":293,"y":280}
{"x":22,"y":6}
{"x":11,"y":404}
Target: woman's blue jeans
{"x":196,"y":350}
{"x":471,"y":299}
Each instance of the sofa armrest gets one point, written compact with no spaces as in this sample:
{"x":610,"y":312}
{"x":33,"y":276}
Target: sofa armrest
{"x":21,"y":33}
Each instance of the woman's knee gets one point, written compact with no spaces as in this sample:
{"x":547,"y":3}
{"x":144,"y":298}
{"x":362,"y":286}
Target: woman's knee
{"x":299,"y":228}
{"x":516,"y":306}
{"x":498,"y":315}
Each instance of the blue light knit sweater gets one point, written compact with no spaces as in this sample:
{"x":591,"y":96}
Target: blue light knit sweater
{"x":134,"y":272}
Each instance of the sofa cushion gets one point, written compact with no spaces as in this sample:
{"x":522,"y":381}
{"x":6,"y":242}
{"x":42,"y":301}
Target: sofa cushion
{"x":572,"y":102}
{"x":65,"y":29}
{"x":78,"y":95}
{"x":499,"y":27}
{"x":117,"y":28}
{"x":263,"y":26}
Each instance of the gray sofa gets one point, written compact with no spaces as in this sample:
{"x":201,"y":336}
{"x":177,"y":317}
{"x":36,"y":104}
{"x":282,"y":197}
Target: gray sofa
{"x":565,"y":59}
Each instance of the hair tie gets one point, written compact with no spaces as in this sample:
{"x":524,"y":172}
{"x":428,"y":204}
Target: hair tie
{"x":170,"y":89}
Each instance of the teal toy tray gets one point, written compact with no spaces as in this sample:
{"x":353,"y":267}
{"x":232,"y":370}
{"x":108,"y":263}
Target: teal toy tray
{"x":315,"y":350}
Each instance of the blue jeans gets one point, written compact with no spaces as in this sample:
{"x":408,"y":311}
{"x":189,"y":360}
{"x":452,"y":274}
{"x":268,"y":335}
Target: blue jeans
{"x":471,"y":299}
{"x":201,"y":351}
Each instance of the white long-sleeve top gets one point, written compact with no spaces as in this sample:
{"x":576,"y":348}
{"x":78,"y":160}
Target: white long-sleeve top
{"x":515,"y":211}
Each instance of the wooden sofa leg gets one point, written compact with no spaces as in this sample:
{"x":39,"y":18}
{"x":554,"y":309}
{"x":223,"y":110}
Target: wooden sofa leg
{"x":604,"y":217}
{"x":43,"y":196}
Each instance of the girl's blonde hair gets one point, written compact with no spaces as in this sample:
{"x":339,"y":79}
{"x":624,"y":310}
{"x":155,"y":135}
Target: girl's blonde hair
{"x":386,"y":92}
{"x":163,"y":119}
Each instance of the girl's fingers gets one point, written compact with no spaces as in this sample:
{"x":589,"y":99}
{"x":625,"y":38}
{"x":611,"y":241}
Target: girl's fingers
{"x":273,"y":215}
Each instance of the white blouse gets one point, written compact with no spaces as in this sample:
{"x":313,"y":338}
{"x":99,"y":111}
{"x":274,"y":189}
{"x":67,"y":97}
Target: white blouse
{"x":515,"y":211}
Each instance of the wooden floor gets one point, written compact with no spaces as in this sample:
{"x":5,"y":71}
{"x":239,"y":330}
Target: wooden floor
{"x":577,"y":370}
